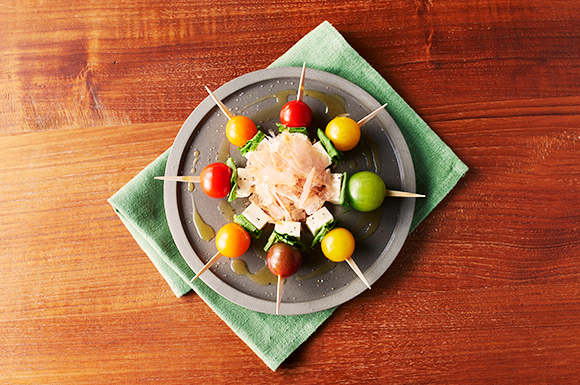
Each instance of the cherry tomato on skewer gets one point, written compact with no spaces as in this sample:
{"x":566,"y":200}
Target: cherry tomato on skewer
{"x":240,"y":129}
{"x":215,"y":180}
{"x":366,"y":191}
{"x":231,"y":241}
{"x":296,"y":113}
{"x":284,"y":261}
{"x":338,"y":245}
{"x":344,"y":133}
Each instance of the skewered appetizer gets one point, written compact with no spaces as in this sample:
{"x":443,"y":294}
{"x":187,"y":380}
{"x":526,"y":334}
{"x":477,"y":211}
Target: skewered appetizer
{"x":288,"y":181}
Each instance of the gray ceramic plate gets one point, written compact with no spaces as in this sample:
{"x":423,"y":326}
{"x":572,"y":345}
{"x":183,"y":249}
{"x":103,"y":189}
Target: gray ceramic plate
{"x":320,"y":284}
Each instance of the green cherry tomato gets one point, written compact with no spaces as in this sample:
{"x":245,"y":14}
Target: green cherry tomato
{"x":240,"y":129}
{"x":296,"y":113}
{"x":344,"y":133}
{"x":366,"y":191}
{"x":215,"y":180}
{"x":338,"y":244}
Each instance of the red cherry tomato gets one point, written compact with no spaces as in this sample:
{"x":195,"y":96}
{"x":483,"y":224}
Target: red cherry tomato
{"x":296,"y":113}
{"x":232,"y":240}
{"x":240,"y":129}
{"x":284,"y":260}
{"x":215,"y":180}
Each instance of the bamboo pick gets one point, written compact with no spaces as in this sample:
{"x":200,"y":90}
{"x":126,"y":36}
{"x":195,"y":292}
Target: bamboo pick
{"x":404,"y":194}
{"x":357,"y":271}
{"x":371,"y":115}
{"x":222,"y":107}
{"x":213,"y":260}
{"x":300,"y":94}
{"x":279,"y":294}
{"x":185,"y":178}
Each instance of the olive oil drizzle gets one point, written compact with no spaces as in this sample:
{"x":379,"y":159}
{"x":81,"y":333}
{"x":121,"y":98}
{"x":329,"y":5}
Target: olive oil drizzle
{"x":195,"y":160}
{"x":262,"y":277}
{"x":224,"y":151}
{"x":372,"y":154}
{"x":335,"y":104}
{"x":227,"y":210}
{"x":320,"y":270}
{"x":274,"y":110}
{"x":368,"y":223}
{"x":205,"y":231}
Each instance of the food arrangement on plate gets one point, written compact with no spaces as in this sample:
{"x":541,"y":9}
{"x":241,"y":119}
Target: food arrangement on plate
{"x":288,"y":183}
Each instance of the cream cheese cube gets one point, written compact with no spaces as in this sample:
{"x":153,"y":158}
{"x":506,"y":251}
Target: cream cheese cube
{"x":318,"y":219}
{"x":244,"y":182}
{"x":256,"y":216}
{"x":335,"y":186}
{"x":319,"y":148}
{"x":290,"y":228}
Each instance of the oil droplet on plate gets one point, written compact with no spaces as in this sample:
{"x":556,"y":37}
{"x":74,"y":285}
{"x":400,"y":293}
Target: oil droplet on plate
{"x":195,"y":160}
{"x":262,"y":277}
{"x":224,"y":151}
{"x":368,"y":223}
{"x":205,"y":231}
{"x":227,"y":210}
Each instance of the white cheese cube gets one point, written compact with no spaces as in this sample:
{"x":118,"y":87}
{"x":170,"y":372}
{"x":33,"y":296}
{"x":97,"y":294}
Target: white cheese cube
{"x":290,"y":228}
{"x":318,"y":219}
{"x":256,"y":216}
{"x":319,"y":148}
{"x":244,"y":182}
{"x":335,"y":188}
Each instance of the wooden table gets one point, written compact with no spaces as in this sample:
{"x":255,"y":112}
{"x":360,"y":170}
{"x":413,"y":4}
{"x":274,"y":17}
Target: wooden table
{"x":485,"y":290}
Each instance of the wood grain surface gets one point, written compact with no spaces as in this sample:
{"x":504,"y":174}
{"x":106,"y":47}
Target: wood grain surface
{"x":486,"y":289}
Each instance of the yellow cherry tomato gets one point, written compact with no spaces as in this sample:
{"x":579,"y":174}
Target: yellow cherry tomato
{"x":338,"y":244}
{"x":240,"y":129}
{"x":232,"y":240}
{"x":344,"y":133}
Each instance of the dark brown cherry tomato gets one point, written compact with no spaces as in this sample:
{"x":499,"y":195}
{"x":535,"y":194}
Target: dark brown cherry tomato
{"x":296,"y":113}
{"x":284,"y":260}
{"x":215,"y":180}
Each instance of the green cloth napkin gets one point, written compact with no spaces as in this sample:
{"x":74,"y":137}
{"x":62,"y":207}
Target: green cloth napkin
{"x":273,"y":338}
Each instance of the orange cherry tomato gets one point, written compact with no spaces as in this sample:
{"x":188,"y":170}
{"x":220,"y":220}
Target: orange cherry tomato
{"x":344,"y":133}
{"x":240,"y":129}
{"x":232,"y":240}
{"x":215,"y":180}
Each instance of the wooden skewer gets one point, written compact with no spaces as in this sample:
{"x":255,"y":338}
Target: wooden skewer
{"x":371,"y":115}
{"x":301,"y":85}
{"x":357,"y":271}
{"x":222,"y":107}
{"x":213,"y":260}
{"x":185,"y":178}
{"x":279,"y":294}
{"x":404,"y":194}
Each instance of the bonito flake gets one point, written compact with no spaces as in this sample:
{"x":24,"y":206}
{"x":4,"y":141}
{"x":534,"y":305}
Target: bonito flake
{"x":290,"y":179}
